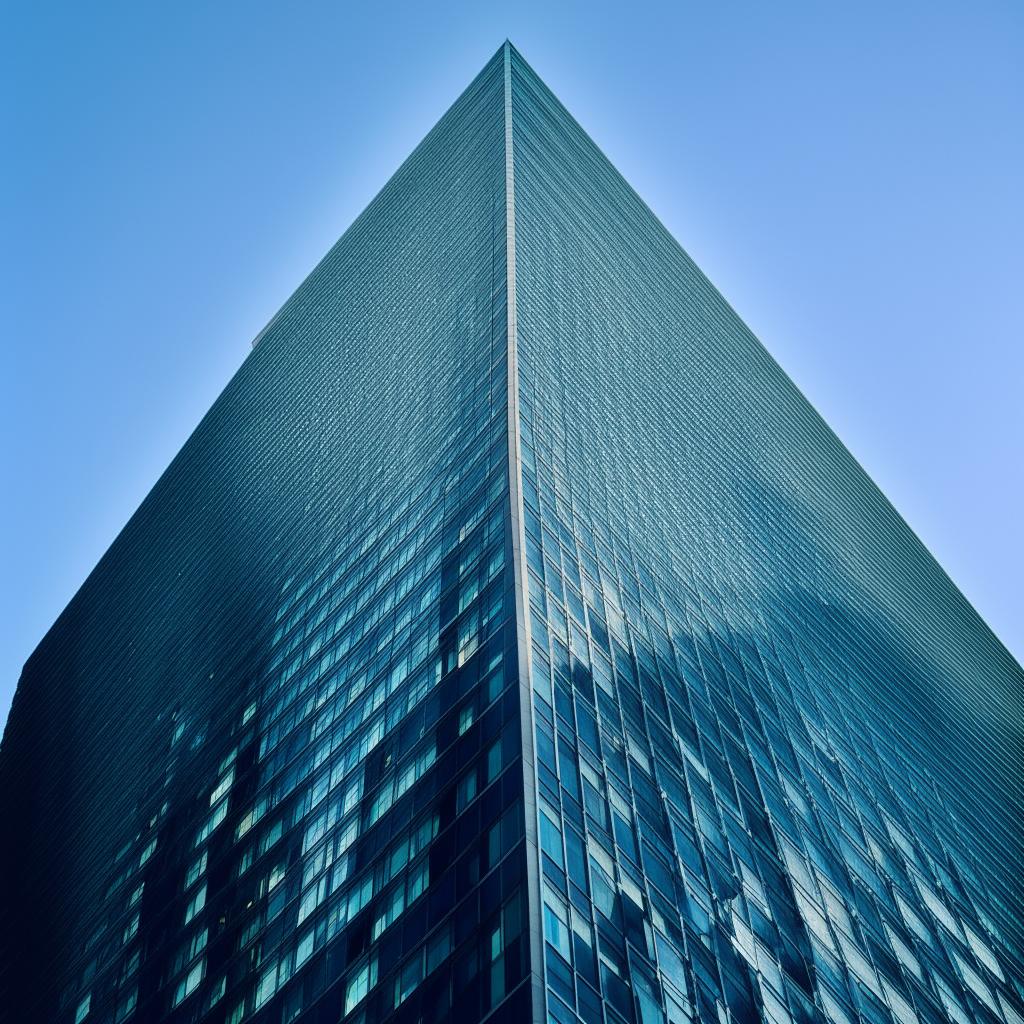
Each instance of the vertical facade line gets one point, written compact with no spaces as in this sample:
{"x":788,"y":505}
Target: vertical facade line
{"x":515,"y":470}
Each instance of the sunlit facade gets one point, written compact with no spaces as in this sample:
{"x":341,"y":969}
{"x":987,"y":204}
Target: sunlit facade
{"x":512,"y":641}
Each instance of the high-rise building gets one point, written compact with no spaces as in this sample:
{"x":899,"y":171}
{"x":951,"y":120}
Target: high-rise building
{"x":512,"y":641}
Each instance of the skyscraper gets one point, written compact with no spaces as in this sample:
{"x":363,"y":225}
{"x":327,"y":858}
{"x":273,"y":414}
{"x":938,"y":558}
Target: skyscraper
{"x":511,"y":640}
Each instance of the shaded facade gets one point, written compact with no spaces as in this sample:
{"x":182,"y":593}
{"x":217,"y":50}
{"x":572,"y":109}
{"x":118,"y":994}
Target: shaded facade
{"x":512,"y":641}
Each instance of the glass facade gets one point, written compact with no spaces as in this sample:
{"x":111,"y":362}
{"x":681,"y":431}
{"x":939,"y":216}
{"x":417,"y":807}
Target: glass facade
{"x":512,"y":641}
{"x":779,"y":757}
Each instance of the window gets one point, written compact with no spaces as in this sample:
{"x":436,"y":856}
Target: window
{"x":267,"y":985}
{"x":189,"y":983}
{"x":551,"y":839}
{"x":411,"y":976}
{"x":83,"y":1009}
{"x":399,"y":858}
{"x":311,"y":898}
{"x":222,"y":787}
{"x":198,"y":943}
{"x":196,"y":903}
{"x":217,"y":991}
{"x":419,"y":880}
{"x":438,"y":948}
{"x":272,"y":836}
{"x":304,"y":949}
{"x":127,"y":1005}
{"x":359,"y":984}
{"x":467,"y":788}
{"x":216,"y":817}
{"x":468,"y":592}
{"x":250,"y":819}
{"x":469,"y":637}
{"x":493,"y":761}
{"x":390,"y":913}
{"x":276,"y":875}
{"x":556,"y":930}
{"x":197,"y":867}
{"x":131,"y":965}
{"x":147,"y":852}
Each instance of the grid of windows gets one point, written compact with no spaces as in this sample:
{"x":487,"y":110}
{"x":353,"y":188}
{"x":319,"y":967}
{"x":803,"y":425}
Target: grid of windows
{"x":288,"y":746}
{"x":282,"y":758}
{"x":776,"y":749}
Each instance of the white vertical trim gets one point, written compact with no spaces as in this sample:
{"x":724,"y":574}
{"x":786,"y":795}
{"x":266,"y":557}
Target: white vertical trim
{"x":515,"y":475}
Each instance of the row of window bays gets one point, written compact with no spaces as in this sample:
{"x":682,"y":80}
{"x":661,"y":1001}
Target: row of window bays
{"x":252,"y":867}
{"x":475,"y":595}
{"x":394,"y":528}
{"x":716,"y":779}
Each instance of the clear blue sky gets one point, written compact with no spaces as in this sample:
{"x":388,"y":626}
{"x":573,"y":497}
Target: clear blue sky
{"x":848,"y":175}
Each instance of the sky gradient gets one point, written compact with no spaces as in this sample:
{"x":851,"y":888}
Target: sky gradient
{"x":848,"y":178}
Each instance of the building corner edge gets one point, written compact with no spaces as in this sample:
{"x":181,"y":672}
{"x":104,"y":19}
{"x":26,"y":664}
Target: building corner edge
{"x":534,"y":926}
